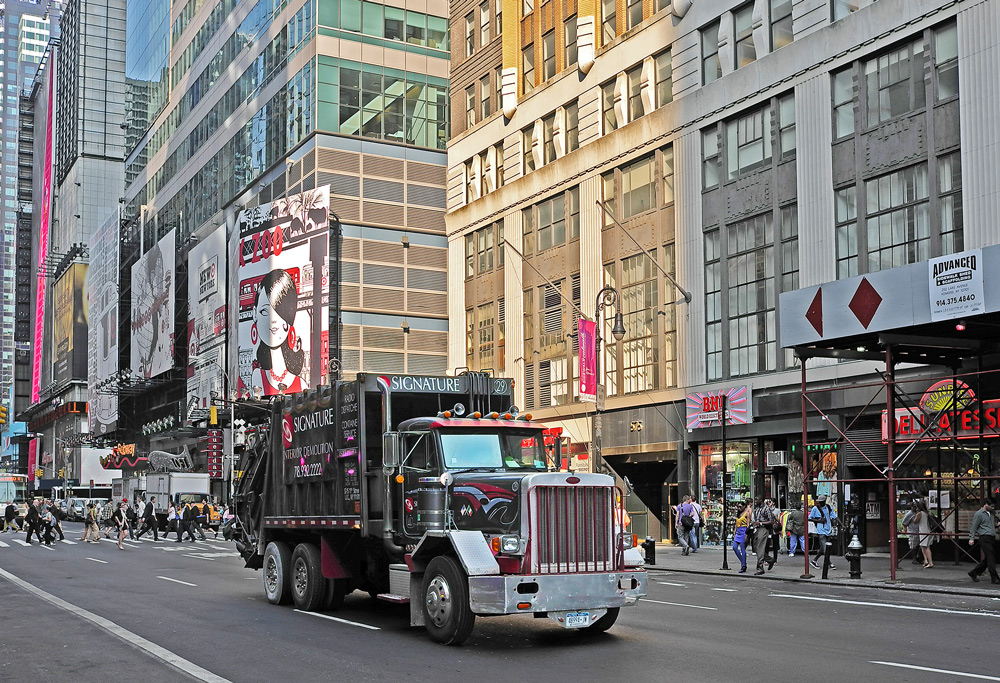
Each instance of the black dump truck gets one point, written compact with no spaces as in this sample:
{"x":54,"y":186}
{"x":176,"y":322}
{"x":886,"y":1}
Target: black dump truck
{"x":432,"y":492}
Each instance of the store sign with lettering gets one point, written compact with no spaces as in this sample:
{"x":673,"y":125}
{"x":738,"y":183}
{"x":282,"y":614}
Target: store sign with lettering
{"x":947,"y":409}
{"x":956,"y":285}
{"x":703,"y":408}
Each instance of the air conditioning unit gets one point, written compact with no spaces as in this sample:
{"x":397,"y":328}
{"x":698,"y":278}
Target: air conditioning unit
{"x":776,"y":458}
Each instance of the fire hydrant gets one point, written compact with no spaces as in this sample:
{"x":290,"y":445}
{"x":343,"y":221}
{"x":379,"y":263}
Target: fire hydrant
{"x":649,"y":548}
{"x":853,"y":556}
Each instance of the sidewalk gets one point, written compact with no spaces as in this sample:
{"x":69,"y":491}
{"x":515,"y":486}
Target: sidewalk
{"x":943,"y":577}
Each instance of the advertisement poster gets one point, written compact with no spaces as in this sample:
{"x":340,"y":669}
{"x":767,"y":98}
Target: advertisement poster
{"x":279,"y":264}
{"x":206,"y":318}
{"x":956,"y":285}
{"x":102,"y":333}
{"x":309,"y":443}
{"x":153,"y":309}
{"x":69,"y":328}
{"x":702,"y":408}
{"x":588,"y":358}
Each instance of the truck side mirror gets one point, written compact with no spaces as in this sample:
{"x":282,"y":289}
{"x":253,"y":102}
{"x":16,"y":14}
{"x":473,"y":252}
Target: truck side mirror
{"x":390,"y":450}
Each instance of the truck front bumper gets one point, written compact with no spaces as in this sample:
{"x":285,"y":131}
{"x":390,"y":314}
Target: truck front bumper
{"x":524,"y":594}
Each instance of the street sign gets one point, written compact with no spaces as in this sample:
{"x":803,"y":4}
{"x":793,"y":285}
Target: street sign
{"x":601,"y":393}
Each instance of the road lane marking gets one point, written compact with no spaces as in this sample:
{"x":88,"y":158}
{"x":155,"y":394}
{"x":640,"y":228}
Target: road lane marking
{"x":167,"y":578}
{"x":67,"y":541}
{"x":727,"y":590}
{"x":46,"y":546}
{"x":3,"y":545}
{"x":24,"y":543}
{"x":250,"y":578}
{"x":883,"y":604}
{"x":667,"y":583}
{"x":94,"y":559}
{"x":678,"y":604}
{"x":964,"y":674}
{"x":133,"y":639}
{"x":340,"y":621}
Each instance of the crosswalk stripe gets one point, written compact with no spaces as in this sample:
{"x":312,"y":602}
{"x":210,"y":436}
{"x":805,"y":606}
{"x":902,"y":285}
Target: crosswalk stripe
{"x":3,"y":545}
{"x":24,"y":543}
{"x":67,"y":541}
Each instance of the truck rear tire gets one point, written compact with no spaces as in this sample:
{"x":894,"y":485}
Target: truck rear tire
{"x":277,"y":569}
{"x":605,"y":622}
{"x":336,"y":590}
{"x":308,"y":583}
{"x":448,"y":617}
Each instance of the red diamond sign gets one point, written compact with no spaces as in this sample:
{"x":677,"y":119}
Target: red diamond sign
{"x":815,"y":313}
{"x":865,"y":302}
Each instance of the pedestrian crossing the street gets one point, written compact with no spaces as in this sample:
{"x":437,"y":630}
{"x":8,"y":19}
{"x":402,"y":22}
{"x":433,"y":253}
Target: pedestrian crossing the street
{"x":209,"y":549}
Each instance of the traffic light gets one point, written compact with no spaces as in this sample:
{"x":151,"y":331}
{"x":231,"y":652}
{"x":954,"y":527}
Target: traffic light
{"x":38,"y":473}
{"x":61,"y":471}
{"x":213,"y":416}
{"x":3,"y":415}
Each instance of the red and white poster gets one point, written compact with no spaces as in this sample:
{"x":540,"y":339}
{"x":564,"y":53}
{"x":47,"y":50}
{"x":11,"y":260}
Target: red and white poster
{"x":279,"y":261}
{"x":588,"y":360}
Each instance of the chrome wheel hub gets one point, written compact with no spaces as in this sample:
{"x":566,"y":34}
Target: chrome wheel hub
{"x":439,"y":601}
{"x":301,"y":577}
{"x":271,"y":576}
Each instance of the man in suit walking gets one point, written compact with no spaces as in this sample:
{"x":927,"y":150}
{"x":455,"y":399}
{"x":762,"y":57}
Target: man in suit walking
{"x":149,"y":520}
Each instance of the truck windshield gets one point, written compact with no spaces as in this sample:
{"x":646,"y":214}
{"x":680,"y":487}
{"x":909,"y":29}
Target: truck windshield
{"x":491,"y":450}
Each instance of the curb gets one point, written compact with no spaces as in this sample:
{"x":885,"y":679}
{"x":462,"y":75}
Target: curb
{"x":944,"y":590}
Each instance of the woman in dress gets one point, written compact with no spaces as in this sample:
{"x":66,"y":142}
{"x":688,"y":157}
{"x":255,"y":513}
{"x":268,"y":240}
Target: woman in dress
{"x":924,"y":535}
{"x":280,"y":357}
{"x":120,"y":520}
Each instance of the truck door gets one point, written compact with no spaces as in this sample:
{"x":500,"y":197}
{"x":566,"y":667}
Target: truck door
{"x":418,"y":464}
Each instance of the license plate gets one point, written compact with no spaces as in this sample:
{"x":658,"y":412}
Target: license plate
{"x":577,"y":619}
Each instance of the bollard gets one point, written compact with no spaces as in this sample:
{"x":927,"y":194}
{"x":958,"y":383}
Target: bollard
{"x":853,"y":556}
{"x":649,"y":548}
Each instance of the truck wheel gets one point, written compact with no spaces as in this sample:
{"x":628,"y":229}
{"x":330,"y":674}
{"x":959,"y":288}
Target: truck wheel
{"x":605,"y":622}
{"x":277,"y":565}
{"x":308,"y":584}
{"x":449,"y":618}
{"x":336,"y":589}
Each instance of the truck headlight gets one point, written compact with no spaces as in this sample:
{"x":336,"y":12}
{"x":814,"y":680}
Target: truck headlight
{"x":510,"y":544}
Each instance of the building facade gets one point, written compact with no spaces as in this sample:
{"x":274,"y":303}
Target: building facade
{"x":239,"y":103}
{"x":750,"y":149}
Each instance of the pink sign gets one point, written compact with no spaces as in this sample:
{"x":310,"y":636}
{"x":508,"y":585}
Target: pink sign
{"x":43,"y":243}
{"x":588,"y":360}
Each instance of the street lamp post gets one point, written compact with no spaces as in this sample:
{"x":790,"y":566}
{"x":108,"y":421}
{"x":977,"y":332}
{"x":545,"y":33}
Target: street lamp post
{"x":608,"y":296}
{"x":725,"y":473}
{"x":232,"y":426}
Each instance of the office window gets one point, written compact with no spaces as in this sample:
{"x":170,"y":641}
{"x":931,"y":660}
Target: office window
{"x":946,"y":61}
{"x":608,"y":198}
{"x":846,"y":221}
{"x":573,"y":209}
{"x":551,"y":217}
{"x":484,"y":248}
{"x":633,"y":78}
{"x":950,"y":191}
{"x":664,"y":78}
{"x":485,"y":320}
{"x":498,"y":17}
{"x":470,"y":106}
{"x":749,"y":141}
{"x":667,"y":173}
{"x":633,"y":13}
{"x":709,"y":158}
{"x":528,"y":232}
{"x":781,"y":23}
{"x":639,"y":303}
{"x":470,"y":337}
{"x":786,"y":126}
{"x":548,"y":55}
{"x":789,"y":247}
{"x":609,"y":21}
{"x":637,"y":187}
{"x":484,"y":97}
{"x":898,"y":226}
{"x":608,"y":118}
{"x":711,"y":66}
{"x":843,"y":103}
{"x":751,"y":296}
{"x":842,"y":8}
{"x":745,"y":51}
{"x":484,"y":23}
{"x":548,"y":142}
{"x":470,"y":35}
{"x":713,"y":305}
{"x":527,"y":140}
{"x":527,"y":7}
{"x":569,"y":39}
{"x":499,"y":168}
{"x":528,"y":68}
{"x":572,"y":126}
{"x":498,"y":86}
{"x":894,"y":82}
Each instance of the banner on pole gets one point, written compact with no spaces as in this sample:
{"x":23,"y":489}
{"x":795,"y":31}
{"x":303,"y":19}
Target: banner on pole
{"x":588,"y":360}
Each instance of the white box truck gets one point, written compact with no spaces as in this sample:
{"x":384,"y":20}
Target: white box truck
{"x":177,"y":488}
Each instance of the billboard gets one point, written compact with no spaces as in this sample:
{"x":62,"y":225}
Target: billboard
{"x":206,"y":317}
{"x":280,"y":271}
{"x":102,"y":333}
{"x":69,"y":326}
{"x":153,"y":309}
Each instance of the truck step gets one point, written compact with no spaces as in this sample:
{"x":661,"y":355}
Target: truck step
{"x":396,"y":599}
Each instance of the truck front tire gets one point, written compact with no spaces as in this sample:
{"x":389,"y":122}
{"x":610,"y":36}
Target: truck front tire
{"x":447,"y":615}
{"x":308,"y":584}
{"x":277,"y":568}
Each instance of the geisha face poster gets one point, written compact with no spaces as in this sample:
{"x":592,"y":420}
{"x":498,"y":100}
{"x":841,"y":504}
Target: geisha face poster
{"x":279,"y":267}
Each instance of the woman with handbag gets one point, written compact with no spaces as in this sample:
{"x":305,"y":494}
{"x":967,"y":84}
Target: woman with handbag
{"x":740,"y":535}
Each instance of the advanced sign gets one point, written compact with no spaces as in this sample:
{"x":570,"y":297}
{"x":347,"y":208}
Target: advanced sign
{"x":956,"y":285}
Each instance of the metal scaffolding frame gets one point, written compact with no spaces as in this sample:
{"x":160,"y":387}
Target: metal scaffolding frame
{"x":948,"y":425}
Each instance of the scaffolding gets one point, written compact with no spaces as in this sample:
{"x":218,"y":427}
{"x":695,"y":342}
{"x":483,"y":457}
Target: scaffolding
{"x":920,"y":433}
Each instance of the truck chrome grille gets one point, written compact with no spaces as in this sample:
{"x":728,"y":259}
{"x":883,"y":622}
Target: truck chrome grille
{"x":572,"y":529}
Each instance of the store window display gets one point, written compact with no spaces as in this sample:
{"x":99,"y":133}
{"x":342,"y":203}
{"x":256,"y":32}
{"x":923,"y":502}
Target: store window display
{"x":739,"y":458}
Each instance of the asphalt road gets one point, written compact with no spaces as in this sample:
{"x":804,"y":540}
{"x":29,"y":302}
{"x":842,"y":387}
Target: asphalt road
{"x":156,"y":610}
